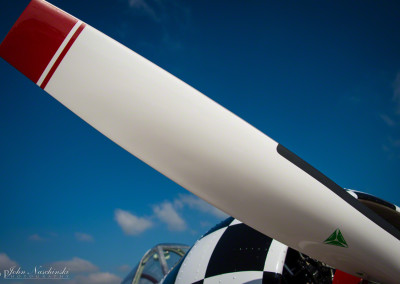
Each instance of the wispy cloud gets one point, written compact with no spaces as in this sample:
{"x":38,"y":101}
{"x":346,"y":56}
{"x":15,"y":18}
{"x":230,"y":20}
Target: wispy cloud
{"x":167,"y":214}
{"x":36,"y":238}
{"x":196,"y":203}
{"x":81,"y":271}
{"x":354,"y":99}
{"x":75,"y":265}
{"x":163,"y":11}
{"x":6,"y":262}
{"x":131,"y":224}
{"x":146,"y":8}
{"x":392,"y":148}
{"x":82,"y":237}
{"x":124,"y":268}
{"x":392,"y":145}
{"x":172,"y":18}
{"x":394,"y":142}
{"x":389,"y":121}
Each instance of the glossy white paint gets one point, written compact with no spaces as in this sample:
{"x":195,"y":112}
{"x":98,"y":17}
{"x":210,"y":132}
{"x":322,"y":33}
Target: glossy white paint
{"x":195,"y":264}
{"x":352,"y":193}
{"x":214,"y":154}
{"x":250,"y":277}
{"x":276,"y":257}
{"x":236,"y":222}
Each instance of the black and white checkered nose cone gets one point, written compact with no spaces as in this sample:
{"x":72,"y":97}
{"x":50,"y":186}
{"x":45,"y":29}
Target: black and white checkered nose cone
{"x":231,"y":252}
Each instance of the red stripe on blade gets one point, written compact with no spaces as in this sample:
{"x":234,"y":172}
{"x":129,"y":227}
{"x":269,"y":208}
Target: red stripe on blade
{"x":35,"y":37}
{"x":61,"y":57}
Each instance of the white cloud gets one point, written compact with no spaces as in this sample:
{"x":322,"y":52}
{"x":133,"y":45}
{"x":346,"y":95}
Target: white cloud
{"x":124,"y":268}
{"x":96,"y":278}
{"x":75,"y":265}
{"x":167,"y":214}
{"x":131,"y":224}
{"x":82,"y":237}
{"x":82,"y":272}
{"x":6,"y":262}
{"x":196,"y":203}
{"x":36,"y":237}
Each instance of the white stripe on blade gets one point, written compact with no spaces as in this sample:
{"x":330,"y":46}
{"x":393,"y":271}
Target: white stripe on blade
{"x":57,"y":54}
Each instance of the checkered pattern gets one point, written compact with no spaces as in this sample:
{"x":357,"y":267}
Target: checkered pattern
{"x":231,"y":252}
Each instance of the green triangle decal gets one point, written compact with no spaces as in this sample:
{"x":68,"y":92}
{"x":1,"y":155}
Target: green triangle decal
{"x":336,"y":239}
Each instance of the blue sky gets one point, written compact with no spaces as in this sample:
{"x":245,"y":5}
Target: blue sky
{"x":320,"y":77}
